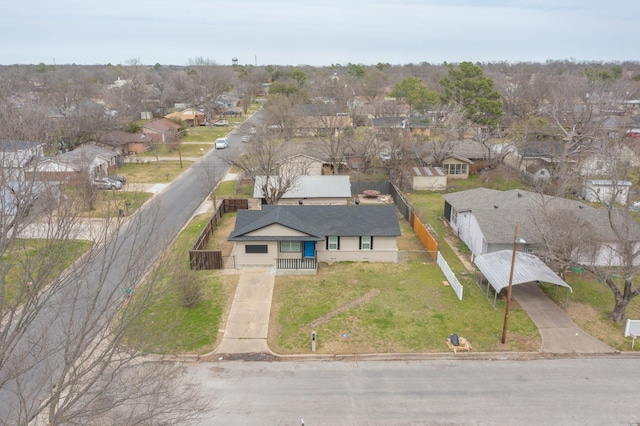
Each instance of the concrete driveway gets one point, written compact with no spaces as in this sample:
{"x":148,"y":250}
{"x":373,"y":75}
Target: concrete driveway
{"x":559,"y":333}
{"x":247,"y":327}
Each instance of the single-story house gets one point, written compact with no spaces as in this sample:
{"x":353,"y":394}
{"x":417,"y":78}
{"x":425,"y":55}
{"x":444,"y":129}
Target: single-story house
{"x":93,"y":160}
{"x":471,"y":152}
{"x":604,"y":191}
{"x":17,"y":154}
{"x":301,"y":164}
{"x":162,"y":130}
{"x":190,"y":117}
{"x":124,"y":143}
{"x":485,"y":220}
{"x":457,"y":167}
{"x":297,"y":237}
{"x":428,"y":178}
{"x":317,"y":190}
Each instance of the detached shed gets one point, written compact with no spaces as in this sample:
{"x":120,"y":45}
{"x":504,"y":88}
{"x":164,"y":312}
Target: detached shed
{"x":428,"y":178}
{"x":496,"y":268}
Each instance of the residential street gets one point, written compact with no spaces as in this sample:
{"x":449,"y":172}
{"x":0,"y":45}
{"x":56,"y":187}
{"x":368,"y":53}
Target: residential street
{"x":597,"y":391}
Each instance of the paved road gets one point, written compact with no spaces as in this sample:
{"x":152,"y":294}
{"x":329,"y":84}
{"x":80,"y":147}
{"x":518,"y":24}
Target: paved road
{"x":542,"y":392}
{"x":73,"y":317}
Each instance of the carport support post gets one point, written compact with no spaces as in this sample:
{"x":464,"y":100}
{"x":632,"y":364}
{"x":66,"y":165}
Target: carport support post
{"x":510,"y":287}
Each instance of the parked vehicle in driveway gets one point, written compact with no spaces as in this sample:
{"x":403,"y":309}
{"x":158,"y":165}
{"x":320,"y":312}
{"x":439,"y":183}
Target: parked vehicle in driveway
{"x":221,"y":143}
{"x":221,"y":123}
{"x":106,"y":183}
{"x":119,"y":178}
{"x":246,"y":138}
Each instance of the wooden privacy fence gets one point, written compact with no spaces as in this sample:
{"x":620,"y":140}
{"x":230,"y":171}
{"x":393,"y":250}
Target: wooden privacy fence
{"x":425,"y":236}
{"x":200,"y":259}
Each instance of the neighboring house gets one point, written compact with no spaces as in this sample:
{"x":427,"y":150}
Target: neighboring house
{"x":123,"y":143}
{"x":538,"y":160}
{"x":93,"y":160}
{"x":317,"y":190}
{"x":18,"y":154}
{"x":485,"y":219}
{"x":301,"y":164}
{"x":436,"y":153}
{"x":606,"y":191}
{"x":323,"y":119}
{"x":162,"y":130}
{"x":297,"y":237}
{"x":428,"y":178}
{"x":190,"y":117}
{"x":457,"y":167}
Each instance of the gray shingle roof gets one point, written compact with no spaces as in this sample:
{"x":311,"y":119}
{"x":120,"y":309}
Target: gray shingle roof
{"x":498,"y":211}
{"x":319,"y":221}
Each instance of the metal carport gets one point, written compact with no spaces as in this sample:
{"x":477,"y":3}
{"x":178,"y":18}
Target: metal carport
{"x":496,"y":268}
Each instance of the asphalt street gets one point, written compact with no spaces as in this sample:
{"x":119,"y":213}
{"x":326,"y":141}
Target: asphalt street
{"x":598,"y":391}
{"x":95,"y":283}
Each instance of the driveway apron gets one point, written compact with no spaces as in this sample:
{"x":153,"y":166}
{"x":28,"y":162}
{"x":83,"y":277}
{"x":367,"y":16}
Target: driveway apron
{"x":248,"y":323}
{"x":559,"y":333}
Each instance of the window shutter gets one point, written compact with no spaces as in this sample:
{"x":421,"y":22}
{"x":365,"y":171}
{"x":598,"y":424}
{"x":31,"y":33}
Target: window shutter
{"x":371,"y":242}
{"x":360,"y":243}
{"x":326,"y":243}
{"x":338,"y":243}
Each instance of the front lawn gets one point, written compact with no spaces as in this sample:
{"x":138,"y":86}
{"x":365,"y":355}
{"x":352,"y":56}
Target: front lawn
{"x":173,"y":328}
{"x":406,"y":309}
{"x":153,"y":172}
{"x":50,"y":254}
{"x":589,"y":307}
{"x":108,"y":203}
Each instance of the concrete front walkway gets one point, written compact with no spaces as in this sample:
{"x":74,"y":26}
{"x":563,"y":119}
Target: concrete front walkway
{"x":559,"y":333}
{"x":248,"y":323}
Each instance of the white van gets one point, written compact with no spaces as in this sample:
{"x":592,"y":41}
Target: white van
{"x":221,"y":143}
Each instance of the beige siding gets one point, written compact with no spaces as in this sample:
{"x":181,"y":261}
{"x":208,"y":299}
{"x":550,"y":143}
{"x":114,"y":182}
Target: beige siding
{"x":256,"y":259}
{"x":337,"y":201}
{"x":276,"y":231}
{"x":430,"y":183}
{"x":384,"y":250}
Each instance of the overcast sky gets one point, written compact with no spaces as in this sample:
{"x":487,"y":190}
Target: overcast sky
{"x":287,"y":32}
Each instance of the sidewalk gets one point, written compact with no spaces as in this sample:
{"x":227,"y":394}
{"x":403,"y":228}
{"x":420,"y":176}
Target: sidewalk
{"x":247,"y":327}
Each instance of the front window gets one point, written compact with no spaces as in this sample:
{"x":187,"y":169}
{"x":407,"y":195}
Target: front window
{"x":454,"y":216}
{"x":290,"y":246}
{"x":256,"y":248}
{"x":455,"y":169}
{"x":332,"y":243}
{"x":365,"y":243}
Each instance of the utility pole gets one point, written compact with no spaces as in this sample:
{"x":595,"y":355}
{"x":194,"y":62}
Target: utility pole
{"x":510,"y":287}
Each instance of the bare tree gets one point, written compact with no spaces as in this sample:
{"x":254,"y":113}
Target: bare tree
{"x":65,"y":354}
{"x":210,"y":82}
{"x":265,"y":160}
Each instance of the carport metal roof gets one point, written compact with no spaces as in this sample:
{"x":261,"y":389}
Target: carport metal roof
{"x":496,"y":268}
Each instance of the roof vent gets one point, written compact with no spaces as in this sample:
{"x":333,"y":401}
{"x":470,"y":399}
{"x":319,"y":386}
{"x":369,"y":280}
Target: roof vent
{"x":519,"y":195}
{"x":495,"y":207}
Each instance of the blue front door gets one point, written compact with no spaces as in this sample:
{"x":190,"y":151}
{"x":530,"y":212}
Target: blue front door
{"x":309,"y":249}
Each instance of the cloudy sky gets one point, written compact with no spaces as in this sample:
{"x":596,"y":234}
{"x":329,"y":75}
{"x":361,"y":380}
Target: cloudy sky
{"x":287,"y":32}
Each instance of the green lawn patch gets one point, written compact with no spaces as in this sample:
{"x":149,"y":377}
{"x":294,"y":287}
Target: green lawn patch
{"x":167,"y":326}
{"x":589,"y":307}
{"x":153,"y":171}
{"x":413,"y":312}
{"x":57,"y":256}
{"x":108,"y":203}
